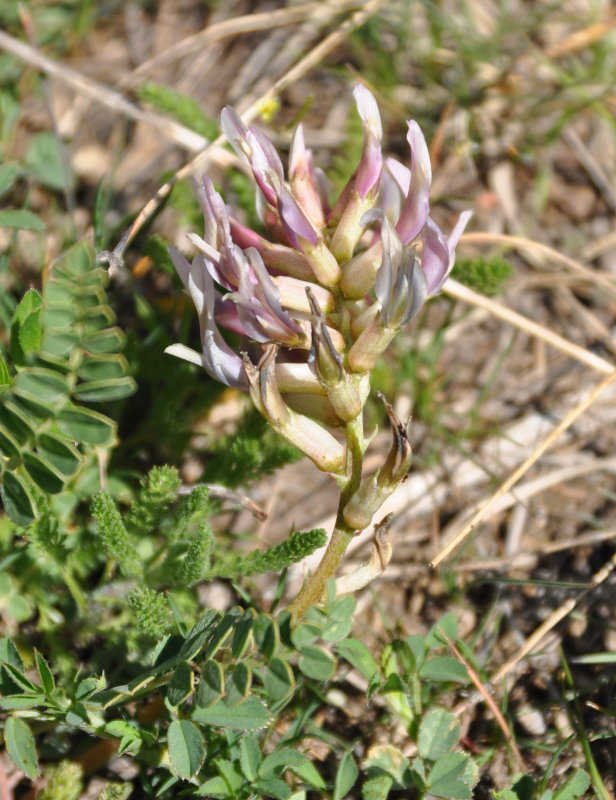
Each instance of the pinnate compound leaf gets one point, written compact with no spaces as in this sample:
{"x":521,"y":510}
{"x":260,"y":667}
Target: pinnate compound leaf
{"x":26,"y":317}
{"x":453,"y":776}
{"x":249,"y":715}
{"x":45,"y":386}
{"x":104,"y":342}
{"x":60,"y":453}
{"x":357,"y":654}
{"x":273,"y":787}
{"x":266,"y":635}
{"x":16,"y":498}
{"x":315,"y":662}
{"x":377,"y":787}
{"x":43,"y":474}
{"x":215,"y":787}
{"x":575,"y":786}
{"x":200,"y":634}
{"x":238,"y":684}
{"x":241,"y":634}
{"x":9,"y":446}
{"x":22,"y":219}
{"x":47,"y":680}
{"x":346,"y":776}
{"x":105,"y":391}
{"x":9,"y":654}
{"x":85,"y":425}
{"x":278,"y":679}
{"x":211,"y":685}
{"x":439,"y":732}
{"x":443,"y":668}
{"x":100,"y":368}
{"x":20,"y":746}
{"x":297,"y":762}
{"x":181,"y":684}
{"x":250,"y":758}
{"x":186,"y":748}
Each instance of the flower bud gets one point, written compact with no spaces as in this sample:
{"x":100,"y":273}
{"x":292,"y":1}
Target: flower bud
{"x":375,"y":489}
{"x":370,"y":344}
{"x":341,"y":391}
{"x":304,"y":433}
{"x":366,"y":184}
{"x":302,"y":179}
{"x":358,"y":273}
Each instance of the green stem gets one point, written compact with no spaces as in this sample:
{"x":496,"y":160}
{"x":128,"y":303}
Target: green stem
{"x":314,"y":587}
{"x":75,"y":590}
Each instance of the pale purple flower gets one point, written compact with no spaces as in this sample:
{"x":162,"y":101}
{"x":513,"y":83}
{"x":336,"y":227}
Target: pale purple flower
{"x":369,"y":169}
{"x":438,"y":254}
{"x":400,"y":285}
{"x":336,"y":283}
{"x":216,"y":357}
{"x":304,"y":181}
{"x":258,"y":303}
{"x":417,"y":205}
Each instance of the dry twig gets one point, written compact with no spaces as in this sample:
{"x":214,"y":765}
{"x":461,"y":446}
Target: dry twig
{"x":515,"y":476}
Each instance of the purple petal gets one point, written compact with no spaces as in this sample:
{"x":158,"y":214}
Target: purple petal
{"x":454,"y":236}
{"x":234,"y":129}
{"x":258,"y":303}
{"x":294,"y":220}
{"x":400,"y":173}
{"x":435,"y":256}
{"x":386,"y":274}
{"x":417,"y":205}
{"x":390,"y":199}
{"x":265,"y":164}
{"x":371,"y":163}
{"x":439,"y":251}
{"x":265,"y":151}
{"x":182,"y":267}
{"x":301,"y":176}
{"x":217,"y":358}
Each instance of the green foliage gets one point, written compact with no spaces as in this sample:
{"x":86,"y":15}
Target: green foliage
{"x":275,"y":558}
{"x":253,"y":450}
{"x":179,"y":106}
{"x":114,"y":536}
{"x":116,"y":791}
{"x":157,"y":491}
{"x":64,"y":782}
{"x":157,"y":249}
{"x":151,"y":612}
{"x":485,"y":275}
{"x":47,"y":163}
{"x":65,"y":351}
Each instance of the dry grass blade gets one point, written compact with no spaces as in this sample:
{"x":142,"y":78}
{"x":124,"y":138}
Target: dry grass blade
{"x":498,"y":716}
{"x":182,"y":136}
{"x":521,"y":243}
{"x":461,"y":292}
{"x":539,"y":634}
{"x":579,"y":40}
{"x":515,"y":476}
{"x":529,"y":558}
{"x":303,"y":66}
{"x":247,"y":23}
